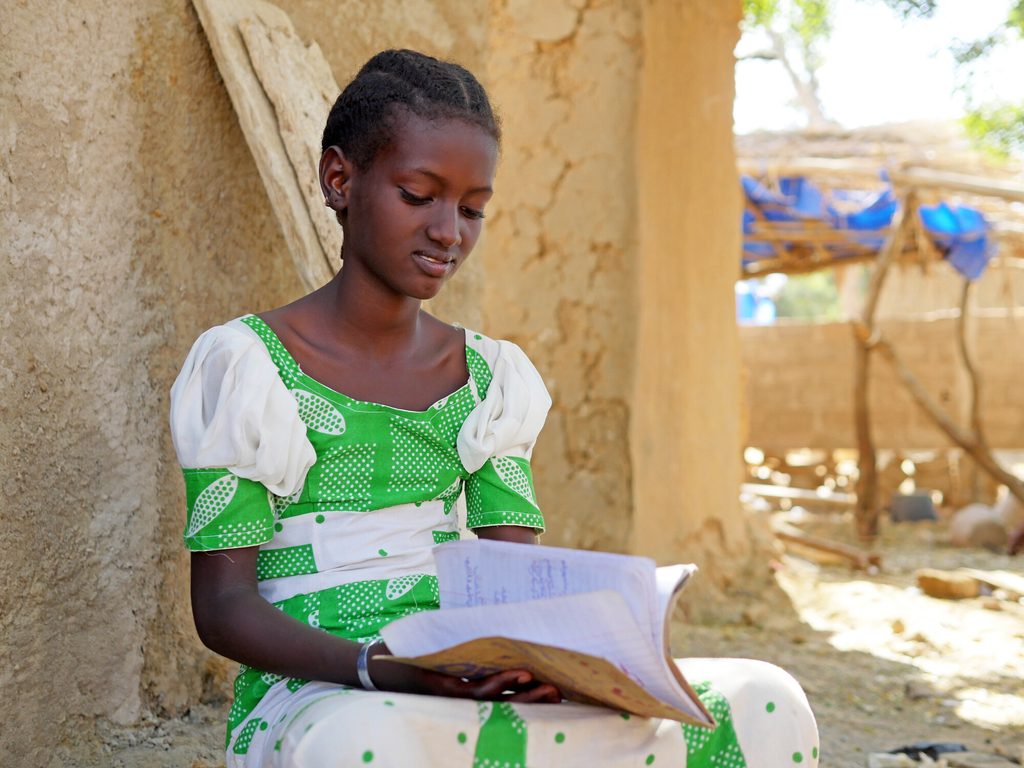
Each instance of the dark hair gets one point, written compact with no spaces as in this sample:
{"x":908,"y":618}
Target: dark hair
{"x":362,"y":121}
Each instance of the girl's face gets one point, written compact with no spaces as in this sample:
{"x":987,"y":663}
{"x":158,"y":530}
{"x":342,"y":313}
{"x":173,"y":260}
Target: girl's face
{"x":414,"y":215}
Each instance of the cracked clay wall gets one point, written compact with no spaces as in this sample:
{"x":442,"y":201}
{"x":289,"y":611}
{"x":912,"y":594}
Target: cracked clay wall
{"x":133,"y":217}
{"x":559,"y":243}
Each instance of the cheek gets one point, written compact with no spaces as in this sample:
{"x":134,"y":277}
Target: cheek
{"x":470,"y":234}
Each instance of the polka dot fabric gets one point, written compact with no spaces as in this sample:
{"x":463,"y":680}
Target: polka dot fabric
{"x":225,"y":511}
{"x":501,"y":493}
{"x":717,"y":747}
{"x":416,"y":467}
{"x":318,"y":413}
{"x":371,"y":460}
{"x":285,"y":561}
{"x":344,"y":478}
{"x":327,"y":724}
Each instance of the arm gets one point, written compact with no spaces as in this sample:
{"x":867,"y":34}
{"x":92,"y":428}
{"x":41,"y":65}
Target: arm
{"x":514,"y":533}
{"x":233,"y":620}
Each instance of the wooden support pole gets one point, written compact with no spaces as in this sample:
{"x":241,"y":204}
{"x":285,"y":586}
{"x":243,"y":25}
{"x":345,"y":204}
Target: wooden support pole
{"x":973,"y":380}
{"x":866,"y":512}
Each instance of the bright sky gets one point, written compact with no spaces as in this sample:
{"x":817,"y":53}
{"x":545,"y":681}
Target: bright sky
{"x":879,"y":69}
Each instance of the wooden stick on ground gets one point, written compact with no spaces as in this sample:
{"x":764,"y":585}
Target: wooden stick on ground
{"x":857,"y":558}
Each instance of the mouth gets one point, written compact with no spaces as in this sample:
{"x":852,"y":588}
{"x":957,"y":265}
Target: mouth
{"x":434,"y":263}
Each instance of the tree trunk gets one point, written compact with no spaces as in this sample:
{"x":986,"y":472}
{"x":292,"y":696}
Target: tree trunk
{"x":866,"y":513}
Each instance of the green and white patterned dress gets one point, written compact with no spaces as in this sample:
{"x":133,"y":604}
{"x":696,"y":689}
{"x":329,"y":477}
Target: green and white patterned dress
{"x":345,"y":500}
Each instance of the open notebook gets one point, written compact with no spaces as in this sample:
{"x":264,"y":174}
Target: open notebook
{"x":594,"y":624}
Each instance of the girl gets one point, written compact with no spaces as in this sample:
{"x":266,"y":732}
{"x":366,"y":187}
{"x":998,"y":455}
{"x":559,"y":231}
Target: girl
{"x":324,"y":445}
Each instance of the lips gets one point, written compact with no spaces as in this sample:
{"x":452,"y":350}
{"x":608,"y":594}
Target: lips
{"x":434,"y":263}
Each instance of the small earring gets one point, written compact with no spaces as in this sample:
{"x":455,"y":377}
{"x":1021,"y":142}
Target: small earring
{"x":327,"y":202}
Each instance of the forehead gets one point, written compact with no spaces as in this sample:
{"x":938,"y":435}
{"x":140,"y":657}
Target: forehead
{"x":453,"y":149}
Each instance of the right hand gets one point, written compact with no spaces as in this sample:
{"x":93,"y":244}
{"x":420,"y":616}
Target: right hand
{"x":516,"y":685}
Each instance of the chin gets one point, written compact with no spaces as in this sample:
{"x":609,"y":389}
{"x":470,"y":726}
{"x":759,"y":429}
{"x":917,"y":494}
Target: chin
{"x":426,"y":292}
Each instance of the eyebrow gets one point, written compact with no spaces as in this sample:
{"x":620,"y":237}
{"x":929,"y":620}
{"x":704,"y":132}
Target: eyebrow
{"x":441,"y":180}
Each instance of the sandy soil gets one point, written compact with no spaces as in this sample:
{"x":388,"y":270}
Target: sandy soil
{"x":883,"y":664}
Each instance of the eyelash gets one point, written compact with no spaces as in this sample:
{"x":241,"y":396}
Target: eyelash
{"x":411,"y":199}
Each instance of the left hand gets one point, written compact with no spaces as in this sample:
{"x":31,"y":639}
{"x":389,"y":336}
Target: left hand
{"x":516,"y":685}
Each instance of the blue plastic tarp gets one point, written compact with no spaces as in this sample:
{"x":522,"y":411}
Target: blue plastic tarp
{"x":963,"y":233}
{"x":960,"y":232}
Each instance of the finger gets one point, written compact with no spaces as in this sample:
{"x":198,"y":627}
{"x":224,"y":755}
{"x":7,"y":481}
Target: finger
{"x":492,"y":686}
{"x":544,"y":693}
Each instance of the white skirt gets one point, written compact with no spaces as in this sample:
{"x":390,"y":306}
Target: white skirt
{"x":764,"y":721}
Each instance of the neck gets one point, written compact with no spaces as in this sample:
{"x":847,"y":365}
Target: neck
{"x":367,"y":316}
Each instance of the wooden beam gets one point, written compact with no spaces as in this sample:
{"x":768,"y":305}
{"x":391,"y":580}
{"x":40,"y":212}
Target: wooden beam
{"x":927,"y":178}
{"x":907,"y":176}
{"x":281,"y":90}
{"x":801,"y":266}
{"x":811,"y":166}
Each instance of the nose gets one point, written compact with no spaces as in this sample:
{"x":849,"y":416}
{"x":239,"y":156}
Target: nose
{"x":444,"y":227}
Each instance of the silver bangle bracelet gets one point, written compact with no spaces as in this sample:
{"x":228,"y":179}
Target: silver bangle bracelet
{"x":362,"y":662}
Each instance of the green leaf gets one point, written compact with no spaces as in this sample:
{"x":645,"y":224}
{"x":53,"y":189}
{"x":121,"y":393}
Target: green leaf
{"x":812,"y":21}
{"x":998,"y":129}
{"x":760,"y":13}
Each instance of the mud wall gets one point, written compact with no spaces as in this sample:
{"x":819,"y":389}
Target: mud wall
{"x":799,"y":377}
{"x":685,"y":430}
{"x":134,"y":218}
{"x":560,"y":243}
{"x":800,"y":384}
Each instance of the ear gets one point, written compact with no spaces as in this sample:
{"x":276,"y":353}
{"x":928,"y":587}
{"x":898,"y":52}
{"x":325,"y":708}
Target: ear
{"x":335,"y":178}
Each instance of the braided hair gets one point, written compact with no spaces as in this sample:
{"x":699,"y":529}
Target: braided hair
{"x":363,"y":120}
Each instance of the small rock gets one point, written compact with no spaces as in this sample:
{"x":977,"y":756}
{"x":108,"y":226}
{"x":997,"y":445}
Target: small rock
{"x":978,"y":525}
{"x":915,"y":689}
{"x":898,"y":627}
{"x":948,"y":585}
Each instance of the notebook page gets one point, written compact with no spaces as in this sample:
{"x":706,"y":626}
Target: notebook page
{"x":480,"y":572}
{"x":668,"y":581}
{"x":596,"y":623}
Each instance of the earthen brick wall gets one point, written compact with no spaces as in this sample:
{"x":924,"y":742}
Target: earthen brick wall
{"x":799,"y":383}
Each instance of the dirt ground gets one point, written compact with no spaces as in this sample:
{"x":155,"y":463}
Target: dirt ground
{"x":883,"y":664}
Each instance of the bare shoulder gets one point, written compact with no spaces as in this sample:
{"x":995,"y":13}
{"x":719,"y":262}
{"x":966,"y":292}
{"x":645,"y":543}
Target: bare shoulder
{"x":448,"y":341}
{"x":292,"y":321}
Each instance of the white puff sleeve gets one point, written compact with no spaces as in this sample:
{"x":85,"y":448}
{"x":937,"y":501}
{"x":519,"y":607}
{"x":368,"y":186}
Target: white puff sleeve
{"x":230,"y":409}
{"x":496,"y":441}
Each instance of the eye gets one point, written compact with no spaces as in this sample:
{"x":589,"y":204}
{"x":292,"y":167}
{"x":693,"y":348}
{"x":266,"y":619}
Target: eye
{"x":412,"y":199}
{"x":472,"y":213}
